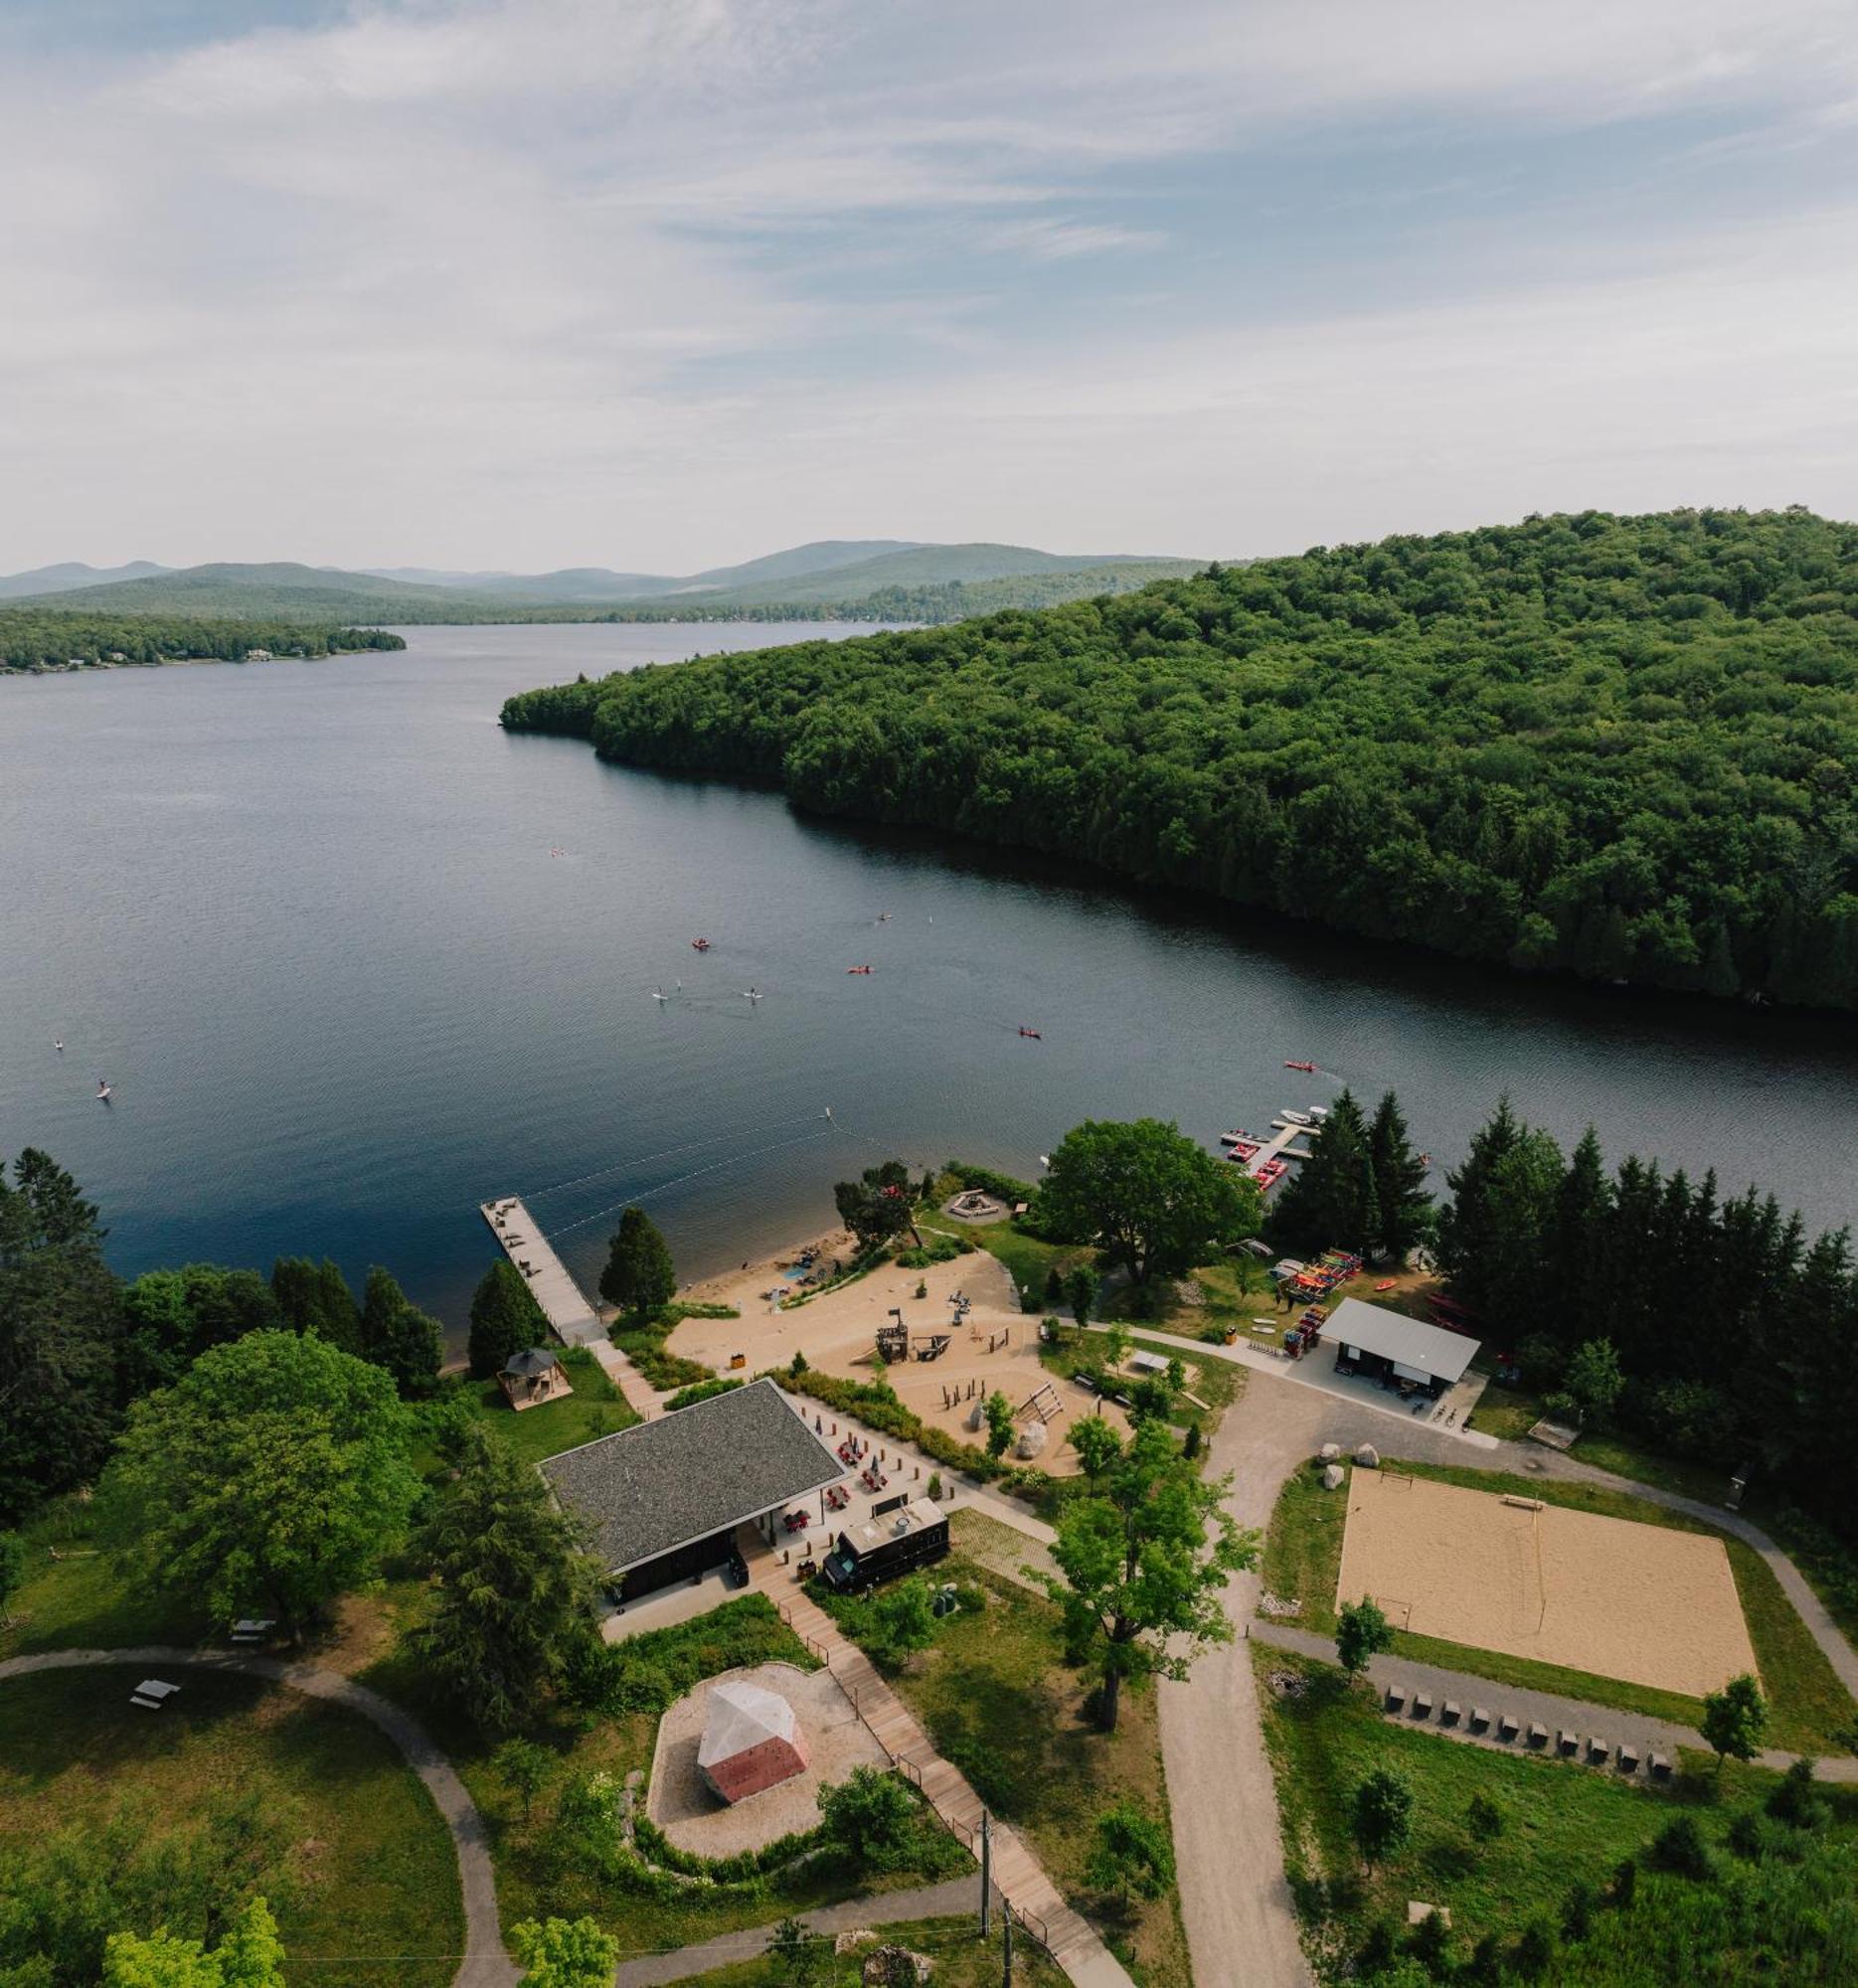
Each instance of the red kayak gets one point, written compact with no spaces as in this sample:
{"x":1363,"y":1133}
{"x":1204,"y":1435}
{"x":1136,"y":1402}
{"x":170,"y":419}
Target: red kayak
{"x":702,"y":944}
{"x":1034,"y":1034}
{"x":858,"y":969}
{"x":1306,"y":1067}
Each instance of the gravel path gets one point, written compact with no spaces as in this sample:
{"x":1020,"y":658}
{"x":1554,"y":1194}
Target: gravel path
{"x":485,"y":1964}
{"x":925,"y":1902}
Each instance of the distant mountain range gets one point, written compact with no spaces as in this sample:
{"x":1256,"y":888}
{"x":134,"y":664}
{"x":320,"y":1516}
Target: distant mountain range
{"x":832,"y":578}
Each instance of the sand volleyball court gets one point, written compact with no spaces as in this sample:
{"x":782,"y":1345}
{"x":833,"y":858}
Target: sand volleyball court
{"x":1610,"y":1596}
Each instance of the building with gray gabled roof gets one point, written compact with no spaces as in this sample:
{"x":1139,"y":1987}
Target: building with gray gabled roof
{"x":661,"y":1501}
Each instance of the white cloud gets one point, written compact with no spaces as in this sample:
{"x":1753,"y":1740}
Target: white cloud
{"x":528,"y":281}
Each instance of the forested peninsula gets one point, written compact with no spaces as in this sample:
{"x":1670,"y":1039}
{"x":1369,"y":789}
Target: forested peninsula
{"x":35,"y":639}
{"x":1621,"y":748}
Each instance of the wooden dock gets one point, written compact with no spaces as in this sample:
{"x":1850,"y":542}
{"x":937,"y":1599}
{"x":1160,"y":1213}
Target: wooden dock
{"x":1281,"y":1145}
{"x":571,"y":1319}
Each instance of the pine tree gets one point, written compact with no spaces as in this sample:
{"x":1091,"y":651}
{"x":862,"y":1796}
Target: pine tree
{"x":315,"y":1298}
{"x":1399,"y":1196}
{"x":398,"y":1337}
{"x":514,"y":1587}
{"x":1329,"y":1201}
{"x":639,"y":1276}
{"x":1578,"y":1247}
{"x":505,"y":1318}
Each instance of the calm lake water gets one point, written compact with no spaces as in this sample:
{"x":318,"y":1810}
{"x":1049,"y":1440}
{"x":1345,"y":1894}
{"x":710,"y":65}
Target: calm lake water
{"x":306,"y":919}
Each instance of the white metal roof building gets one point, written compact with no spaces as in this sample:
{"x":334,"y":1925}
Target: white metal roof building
{"x":1373,"y":1339}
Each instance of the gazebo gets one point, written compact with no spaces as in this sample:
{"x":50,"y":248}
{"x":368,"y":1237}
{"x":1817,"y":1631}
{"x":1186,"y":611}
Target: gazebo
{"x":531,"y":1378}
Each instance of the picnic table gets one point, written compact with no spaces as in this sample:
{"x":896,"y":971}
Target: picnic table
{"x":152,"y":1693}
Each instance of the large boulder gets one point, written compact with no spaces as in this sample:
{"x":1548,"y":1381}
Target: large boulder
{"x":1332,"y":1477}
{"x":1368,"y":1456}
{"x":1030,"y":1441}
{"x":1330,"y":1452}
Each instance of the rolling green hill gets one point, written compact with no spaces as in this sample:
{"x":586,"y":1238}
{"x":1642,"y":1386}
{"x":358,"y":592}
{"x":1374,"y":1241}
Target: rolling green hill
{"x":833,"y":580}
{"x":1621,"y":748}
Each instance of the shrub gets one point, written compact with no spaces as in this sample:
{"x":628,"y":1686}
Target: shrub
{"x":1796,"y":1801}
{"x":702,"y":1390}
{"x":1680,"y":1849}
{"x":1483,"y":1818}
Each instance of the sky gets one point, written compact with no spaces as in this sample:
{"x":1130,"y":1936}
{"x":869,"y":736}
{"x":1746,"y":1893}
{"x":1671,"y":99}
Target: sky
{"x":659,"y":285}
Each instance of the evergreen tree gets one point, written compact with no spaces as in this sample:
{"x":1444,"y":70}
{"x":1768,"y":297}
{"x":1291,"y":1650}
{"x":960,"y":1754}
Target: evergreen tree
{"x":1329,"y":1200}
{"x":514,"y":1587}
{"x":397,"y":1337}
{"x":505,"y":1319}
{"x":1399,"y":1196}
{"x":639,"y":1276}
{"x":1581,"y":1204}
{"x":60,"y":1336}
{"x":315,"y":1298}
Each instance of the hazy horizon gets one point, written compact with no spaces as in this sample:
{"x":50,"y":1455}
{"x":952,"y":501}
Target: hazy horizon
{"x":527,"y":284}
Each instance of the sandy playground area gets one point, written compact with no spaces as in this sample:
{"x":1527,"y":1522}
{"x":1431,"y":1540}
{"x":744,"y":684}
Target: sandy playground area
{"x":1609,"y":1597}
{"x":838,"y":1335}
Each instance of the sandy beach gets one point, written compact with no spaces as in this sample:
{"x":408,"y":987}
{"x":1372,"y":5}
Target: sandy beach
{"x":995,"y":1348}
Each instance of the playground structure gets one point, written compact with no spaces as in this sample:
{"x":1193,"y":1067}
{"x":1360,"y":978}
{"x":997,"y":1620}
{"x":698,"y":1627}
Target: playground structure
{"x":895,"y":1344}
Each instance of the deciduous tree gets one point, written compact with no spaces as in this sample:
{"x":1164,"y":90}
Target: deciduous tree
{"x":879,"y":1204}
{"x":1144,"y":1557}
{"x":1734,"y":1720}
{"x":1131,"y":1855}
{"x":1156,"y":1202}
{"x":1362,"y":1632}
{"x":270,"y":1474}
{"x":564,"y":1953}
{"x":1381,"y":1815}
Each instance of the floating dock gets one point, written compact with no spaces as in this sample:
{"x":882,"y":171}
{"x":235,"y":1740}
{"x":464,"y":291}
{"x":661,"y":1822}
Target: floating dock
{"x":573,"y":1320}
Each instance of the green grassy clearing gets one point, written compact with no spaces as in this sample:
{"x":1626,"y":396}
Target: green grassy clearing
{"x":998,"y":1700}
{"x":1809,"y":1705}
{"x":1563,"y":1823}
{"x":595,"y":1408}
{"x":366,"y":1877}
{"x":962,"y":1961}
{"x":75,"y":1595}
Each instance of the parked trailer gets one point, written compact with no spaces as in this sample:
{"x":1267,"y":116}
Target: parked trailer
{"x":885,"y":1546}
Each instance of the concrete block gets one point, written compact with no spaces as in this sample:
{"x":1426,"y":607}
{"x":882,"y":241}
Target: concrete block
{"x":1659,"y":1767}
{"x":1598,"y":1750}
{"x":1450,"y":1712}
{"x":1395,"y":1697}
{"x":1538,"y":1734}
{"x":1629,"y":1758}
{"x":1567,"y":1743}
{"x":1480,"y":1718}
{"x":1507,"y":1726}
{"x":1421,"y":1704}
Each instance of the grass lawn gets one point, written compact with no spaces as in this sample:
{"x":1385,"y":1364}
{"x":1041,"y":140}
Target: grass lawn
{"x":364,"y":1872}
{"x":962,"y":1960}
{"x":998,"y":1700}
{"x":1808,"y":1704}
{"x":75,"y":1595}
{"x":1562,"y":1823}
{"x":1029,"y":1261}
{"x":595,"y":1408}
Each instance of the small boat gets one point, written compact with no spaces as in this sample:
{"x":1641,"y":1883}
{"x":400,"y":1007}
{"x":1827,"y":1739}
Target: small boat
{"x":1308,"y":1068}
{"x":1290,"y":1117}
{"x":1234,"y":1139}
{"x":858,"y":969}
{"x":60,"y":1046}
{"x":1033,"y":1033}
{"x":701,"y":944}
{"x":884,"y":917}
{"x":658,"y":994}
{"x":104,"y":1088}
{"x":750,"y":993}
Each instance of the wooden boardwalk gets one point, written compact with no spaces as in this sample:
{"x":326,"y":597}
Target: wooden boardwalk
{"x":571,"y":1318}
{"x":1017,"y":1874}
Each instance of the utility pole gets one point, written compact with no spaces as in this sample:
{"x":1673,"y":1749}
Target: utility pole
{"x":987,"y":1868}
{"x":1006,"y":1946}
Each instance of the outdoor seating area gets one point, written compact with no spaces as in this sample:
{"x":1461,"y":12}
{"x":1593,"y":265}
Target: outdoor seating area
{"x":152,"y":1693}
{"x":1415,"y":1707}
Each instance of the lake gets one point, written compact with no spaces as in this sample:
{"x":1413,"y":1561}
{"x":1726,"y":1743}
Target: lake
{"x":307,"y":918}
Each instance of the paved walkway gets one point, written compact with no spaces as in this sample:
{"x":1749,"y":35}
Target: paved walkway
{"x":925,"y":1902}
{"x":641,"y":1397}
{"x":485,"y":1964}
{"x":1067,"y":1936}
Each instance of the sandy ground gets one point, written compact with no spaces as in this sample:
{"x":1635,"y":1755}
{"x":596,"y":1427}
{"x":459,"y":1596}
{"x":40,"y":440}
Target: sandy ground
{"x":678,"y":1802}
{"x":1604,"y":1596}
{"x":838,"y":1335}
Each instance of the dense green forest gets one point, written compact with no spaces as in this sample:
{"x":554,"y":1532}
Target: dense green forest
{"x":35,"y":638}
{"x":1620,"y":748}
